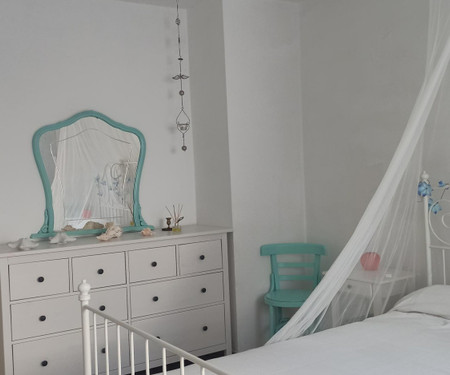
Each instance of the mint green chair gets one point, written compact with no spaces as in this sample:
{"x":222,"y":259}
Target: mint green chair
{"x":292,"y":264}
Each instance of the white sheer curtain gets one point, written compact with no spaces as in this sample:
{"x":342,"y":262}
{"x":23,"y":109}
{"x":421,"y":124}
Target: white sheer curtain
{"x":387,"y":226}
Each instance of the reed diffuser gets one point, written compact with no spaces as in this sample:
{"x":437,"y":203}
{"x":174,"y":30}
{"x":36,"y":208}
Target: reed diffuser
{"x":176,"y":217}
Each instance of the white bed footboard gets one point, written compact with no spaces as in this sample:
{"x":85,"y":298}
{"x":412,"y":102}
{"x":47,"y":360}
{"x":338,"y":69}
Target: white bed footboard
{"x":91,"y":365}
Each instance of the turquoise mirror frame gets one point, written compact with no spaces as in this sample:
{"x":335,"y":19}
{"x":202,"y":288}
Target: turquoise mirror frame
{"x":47,"y":229}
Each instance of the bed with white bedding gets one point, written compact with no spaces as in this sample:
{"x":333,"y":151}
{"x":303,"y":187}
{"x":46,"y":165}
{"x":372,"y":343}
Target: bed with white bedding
{"x":414,"y":338}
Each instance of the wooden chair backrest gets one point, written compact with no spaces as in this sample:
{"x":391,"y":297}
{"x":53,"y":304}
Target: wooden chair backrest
{"x":275,"y":250}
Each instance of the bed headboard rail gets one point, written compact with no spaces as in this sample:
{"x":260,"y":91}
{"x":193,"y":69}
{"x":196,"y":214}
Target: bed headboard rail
{"x":437,"y":229}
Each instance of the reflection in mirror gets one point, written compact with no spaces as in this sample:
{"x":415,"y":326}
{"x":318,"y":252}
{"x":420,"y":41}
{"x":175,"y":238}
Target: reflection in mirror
{"x":90,"y":170}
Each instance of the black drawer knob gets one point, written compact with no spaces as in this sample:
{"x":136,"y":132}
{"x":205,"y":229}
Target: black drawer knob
{"x":155,"y":298}
{"x":202,"y":257}
{"x":44,"y":363}
{"x":42,"y":318}
{"x":40,"y":279}
{"x":100,"y":271}
{"x":103,"y":350}
{"x":203,"y":290}
{"x":102,"y":308}
{"x":205,"y":328}
{"x":154,"y":264}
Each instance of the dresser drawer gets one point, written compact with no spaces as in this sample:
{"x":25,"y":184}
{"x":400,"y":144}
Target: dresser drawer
{"x":151,"y":264}
{"x":38,"y":279}
{"x":37,"y":318}
{"x":63,"y":354}
{"x":55,"y":355}
{"x":190,"y":330}
{"x":176,"y":294}
{"x":200,"y":256}
{"x":99,"y":270}
{"x":113,"y":302}
{"x":31,"y":319}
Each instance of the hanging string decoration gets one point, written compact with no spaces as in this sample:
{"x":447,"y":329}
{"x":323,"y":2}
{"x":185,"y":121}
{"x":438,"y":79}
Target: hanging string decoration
{"x":183,"y":121}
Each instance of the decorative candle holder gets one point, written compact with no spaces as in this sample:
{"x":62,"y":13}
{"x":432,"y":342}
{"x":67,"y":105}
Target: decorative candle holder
{"x":168,"y":222}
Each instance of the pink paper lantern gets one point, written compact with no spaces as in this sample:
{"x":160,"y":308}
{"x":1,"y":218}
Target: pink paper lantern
{"x":370,"y":261}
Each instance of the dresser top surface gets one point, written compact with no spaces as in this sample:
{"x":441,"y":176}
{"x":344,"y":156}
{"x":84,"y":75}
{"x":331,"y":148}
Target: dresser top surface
{"x":158,"y":236}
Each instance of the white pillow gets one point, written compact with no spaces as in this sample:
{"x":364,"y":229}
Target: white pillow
{"x":432,"y":300}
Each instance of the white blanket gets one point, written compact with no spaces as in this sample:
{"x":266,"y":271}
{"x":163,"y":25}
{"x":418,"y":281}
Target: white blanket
{"x":393,"y":343}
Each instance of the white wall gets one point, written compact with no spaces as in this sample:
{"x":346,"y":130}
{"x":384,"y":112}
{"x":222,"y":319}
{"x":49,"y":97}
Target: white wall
{"x":264,"y":125}
{"x":362,"y":67}
{"x":60,"y":57}
{"x":209,"y":109}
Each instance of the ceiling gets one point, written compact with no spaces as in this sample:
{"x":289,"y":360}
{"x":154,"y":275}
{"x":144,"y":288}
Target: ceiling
{"x":182,"y":3}
{"x":165,"y":3}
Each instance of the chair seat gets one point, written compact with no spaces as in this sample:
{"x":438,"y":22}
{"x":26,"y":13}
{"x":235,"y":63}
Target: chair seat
{"x":287,"y":297}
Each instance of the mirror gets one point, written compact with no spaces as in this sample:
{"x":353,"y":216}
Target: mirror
{"x":90,"y":167}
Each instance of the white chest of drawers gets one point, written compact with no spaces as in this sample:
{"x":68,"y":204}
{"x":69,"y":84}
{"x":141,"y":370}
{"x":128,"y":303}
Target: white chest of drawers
{"x":173,"y":285}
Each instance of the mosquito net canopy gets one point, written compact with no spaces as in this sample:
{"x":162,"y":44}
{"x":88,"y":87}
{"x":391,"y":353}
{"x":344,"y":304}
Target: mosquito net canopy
{"x":378,"y":264}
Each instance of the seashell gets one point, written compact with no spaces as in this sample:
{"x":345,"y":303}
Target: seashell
{"x":147,"y":232}
{"x":112,"y":232}
{"x":23,"y":244}
{"x":104,"y":237}
{"x":115,"y":231}
{"x":62,"y":237}
{"x":109,"y":224}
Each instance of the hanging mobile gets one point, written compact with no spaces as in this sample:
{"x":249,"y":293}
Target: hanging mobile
{"x":183,"y":121}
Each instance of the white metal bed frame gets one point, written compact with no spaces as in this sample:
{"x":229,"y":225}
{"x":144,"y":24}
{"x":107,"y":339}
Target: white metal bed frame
{"x":443,"y":245}
{"x":182,"y":355}
{"x":164,"y":347}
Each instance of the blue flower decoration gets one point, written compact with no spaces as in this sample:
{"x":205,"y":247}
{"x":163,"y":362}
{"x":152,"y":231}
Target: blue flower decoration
{"x":424,"y":189}
{"x":434,"y":207}
{"x":441,"y":183}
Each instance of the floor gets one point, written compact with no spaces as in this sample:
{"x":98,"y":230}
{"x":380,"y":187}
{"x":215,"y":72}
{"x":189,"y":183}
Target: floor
{"x":176,"y":365}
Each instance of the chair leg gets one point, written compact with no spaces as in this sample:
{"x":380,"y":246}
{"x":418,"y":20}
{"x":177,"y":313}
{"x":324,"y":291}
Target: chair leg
{"x":272,"y":320}
{"x":276,"y":316}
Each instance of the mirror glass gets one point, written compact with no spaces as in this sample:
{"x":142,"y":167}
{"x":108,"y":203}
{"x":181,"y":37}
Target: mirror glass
{"x":90,"y":167}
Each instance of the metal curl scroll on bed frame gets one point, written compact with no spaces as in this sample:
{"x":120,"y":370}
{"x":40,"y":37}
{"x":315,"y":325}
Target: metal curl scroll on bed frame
{"x":432,"y":232}
{"x":156,"y":342}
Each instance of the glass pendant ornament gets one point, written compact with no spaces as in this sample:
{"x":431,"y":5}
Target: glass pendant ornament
{"x":183,"y":121}
{"x":183,"y":124}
